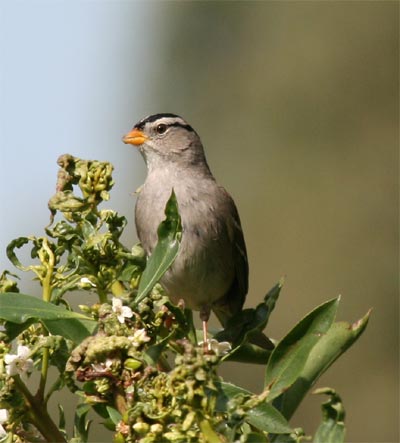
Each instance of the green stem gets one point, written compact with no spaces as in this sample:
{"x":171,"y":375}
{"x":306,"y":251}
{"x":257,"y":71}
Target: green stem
{"x":46,"y":295}
{"x":43,"y":374}
{"x":39,"y":416}
{"x":49,"y":274}
{"x":102,"y":296}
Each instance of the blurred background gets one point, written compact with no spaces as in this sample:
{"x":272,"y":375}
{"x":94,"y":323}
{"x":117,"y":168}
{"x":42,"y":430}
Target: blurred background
{"x":297,"y":106}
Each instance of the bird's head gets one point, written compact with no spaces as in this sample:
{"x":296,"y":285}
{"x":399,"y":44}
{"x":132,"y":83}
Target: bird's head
{"x":166,"y":138}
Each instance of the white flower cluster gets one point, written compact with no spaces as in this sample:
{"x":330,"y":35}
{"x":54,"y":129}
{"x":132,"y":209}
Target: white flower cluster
{"x":122,"y":312}
{"x":19,"y":363}
{"x":218,"y":347}
{"x":139,"y":337}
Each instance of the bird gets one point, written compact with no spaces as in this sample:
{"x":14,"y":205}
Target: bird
{"x":211,"y":271}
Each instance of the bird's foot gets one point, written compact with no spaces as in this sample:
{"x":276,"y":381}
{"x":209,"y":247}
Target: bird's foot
{"x":212,"y":346}
{"x":206,"y":342}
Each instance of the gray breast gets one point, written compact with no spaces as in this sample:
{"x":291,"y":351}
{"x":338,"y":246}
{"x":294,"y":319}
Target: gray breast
{"x":203,"y":271}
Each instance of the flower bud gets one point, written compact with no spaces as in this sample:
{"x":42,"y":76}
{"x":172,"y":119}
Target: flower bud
{"x":141,"y":428}
{"x":132,"y":364}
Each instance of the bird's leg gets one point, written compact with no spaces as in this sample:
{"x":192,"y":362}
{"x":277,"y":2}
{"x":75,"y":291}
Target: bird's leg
{"x":204,"y":316}
{"x":205,"y":340}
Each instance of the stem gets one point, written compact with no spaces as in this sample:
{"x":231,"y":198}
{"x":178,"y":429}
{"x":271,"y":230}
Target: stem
{"x":43,"y":375}
{"x":39,"y":416}
{"x":46,"y":295}
{"x":102,"y":296}
{"x":49,"y":274}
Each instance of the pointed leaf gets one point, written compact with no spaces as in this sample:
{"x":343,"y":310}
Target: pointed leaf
{"x":153,"y":353}
{"x":268,"y":419}
{"x":14,"y":329}
{"x":290,"y":355}
{"x":249,"y":323}
{"x":23,"y":309}
{"x":248,"y":353}
{"x":81,"y":424}
{"x":263,"y":416}
{"x":61,"y":420}
{"x":114,"y":415}
{"x":254,"y":437}
{"x":75,"y":329}
{"x":244,"y":331}
{"x":332,"y":345}
{"x":16,"y":243}
{"x":166,"y":250}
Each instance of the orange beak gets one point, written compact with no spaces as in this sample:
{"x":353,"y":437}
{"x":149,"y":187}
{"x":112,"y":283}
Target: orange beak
{"x":135,"y":137}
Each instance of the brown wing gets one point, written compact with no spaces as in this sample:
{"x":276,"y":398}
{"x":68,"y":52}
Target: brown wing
{"x":234,"y":299}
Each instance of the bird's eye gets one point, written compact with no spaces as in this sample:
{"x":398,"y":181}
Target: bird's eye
{"x":161,"y":128}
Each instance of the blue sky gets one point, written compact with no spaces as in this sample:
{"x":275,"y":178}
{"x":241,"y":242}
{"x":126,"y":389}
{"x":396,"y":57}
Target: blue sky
{"x":68,"y":85}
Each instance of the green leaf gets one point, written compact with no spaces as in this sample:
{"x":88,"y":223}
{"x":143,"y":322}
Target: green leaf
{"x":153,"y":353}
{"x":264,"y":310}
{"x":332,"y":345}
{"x":81,"y":424}
{"x":60,"y":355}
{"x":14,"y":329}
{"x":169,"y":235}
{"x":114,"y":415}
{"x":246,"y":325}
{"x":184,"y":328}
{"x":209,"y":434}
{"x":332,"y":429}
{"x":254,"y":437}
{"x":7,"y":284}
{"x":183,"y":318}
{"x":268,"y":419}
{"x":75,"y":329}
{"x":24,"y":309}
{"x":296,"y":436}
{"x":248,"y":353}
{"x":61,"y":420}
{"x":263,"y":416}
{"x":290,"y":355}
{"x":16,"y":243}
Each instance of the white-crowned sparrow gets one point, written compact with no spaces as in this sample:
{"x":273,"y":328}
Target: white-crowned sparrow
{"x":211,"y":269}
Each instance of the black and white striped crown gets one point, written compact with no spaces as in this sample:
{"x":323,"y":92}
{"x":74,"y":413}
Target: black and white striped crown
{"x":167,"y":119}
